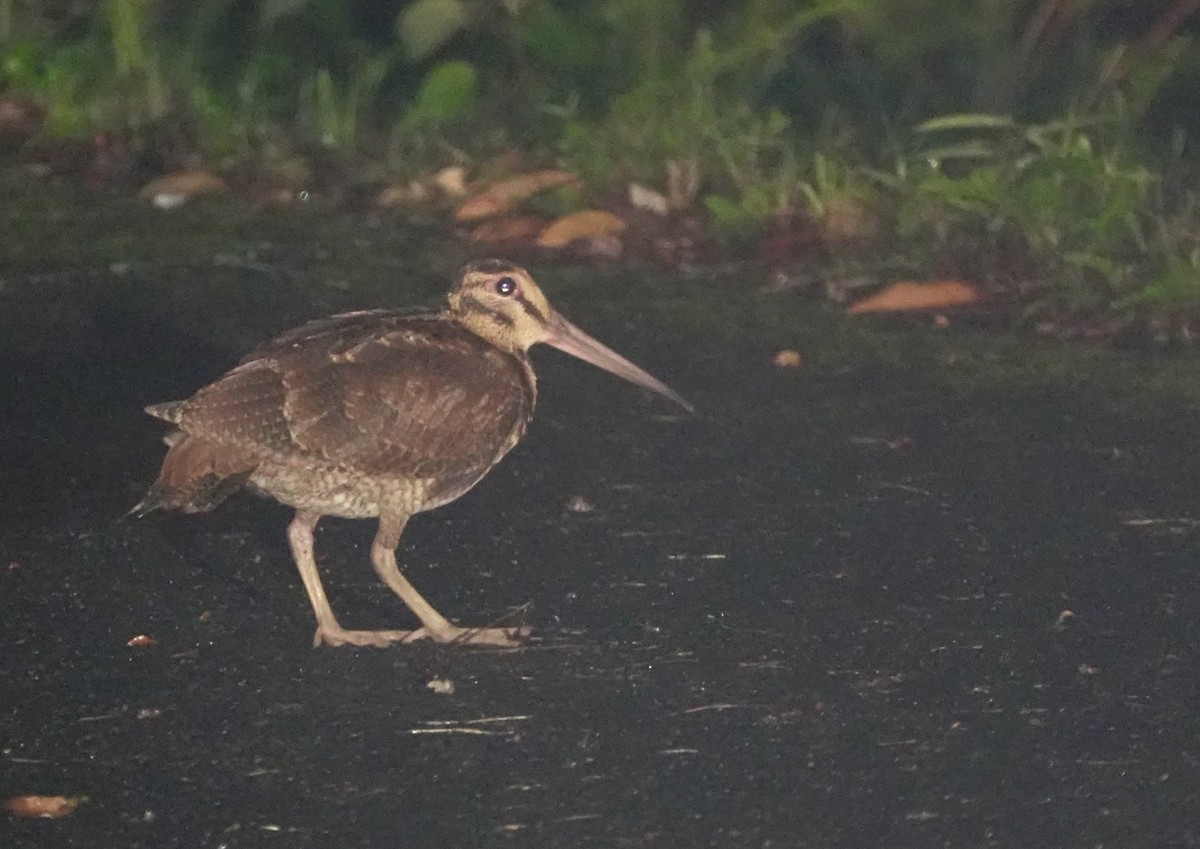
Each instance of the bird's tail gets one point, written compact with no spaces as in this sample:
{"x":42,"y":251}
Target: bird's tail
{"x":196,"y":476}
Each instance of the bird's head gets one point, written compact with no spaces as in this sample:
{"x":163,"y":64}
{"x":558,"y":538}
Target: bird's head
{"x":499,"y":301}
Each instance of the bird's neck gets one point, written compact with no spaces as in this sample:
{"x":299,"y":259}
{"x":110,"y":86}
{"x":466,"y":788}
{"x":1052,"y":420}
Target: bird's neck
{"x":494,"y":329}
{"x":496,"y":332}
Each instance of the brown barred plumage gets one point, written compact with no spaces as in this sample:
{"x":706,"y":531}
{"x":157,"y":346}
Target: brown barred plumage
{"x":379,"y":413}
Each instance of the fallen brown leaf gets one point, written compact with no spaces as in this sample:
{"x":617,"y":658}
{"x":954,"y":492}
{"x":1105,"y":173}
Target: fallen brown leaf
{"x":483,"y":206}
{"x":42,"y":806}
{"x":528,"y":185}
{"x":401,"y":195}
{"x":140,"y":641}
{"x":588,"y":224}
{"x":516,"y":228}
{"x":505,"y":195}
{"x":787,"y":358}
{"x":642,"y":197}
{"x":182,"y":185}
{"x":910,"y":295}
{"x":452,"y":181}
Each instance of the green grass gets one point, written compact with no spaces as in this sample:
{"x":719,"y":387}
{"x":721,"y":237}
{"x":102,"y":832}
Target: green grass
{"x":993,"y":141}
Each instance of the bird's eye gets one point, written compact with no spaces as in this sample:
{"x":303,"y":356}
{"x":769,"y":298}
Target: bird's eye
{"x":505,"y":286}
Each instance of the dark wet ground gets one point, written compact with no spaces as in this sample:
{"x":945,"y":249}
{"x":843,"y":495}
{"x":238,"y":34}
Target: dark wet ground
{"x":930,"y":589}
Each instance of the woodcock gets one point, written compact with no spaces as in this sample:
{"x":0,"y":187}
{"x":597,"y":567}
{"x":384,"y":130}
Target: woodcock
{"x":381,"y":413}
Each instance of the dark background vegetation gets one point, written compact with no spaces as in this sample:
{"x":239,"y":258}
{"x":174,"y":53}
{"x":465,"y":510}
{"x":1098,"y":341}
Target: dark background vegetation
{"x":1045,"y":148}
{"x":932,"y":587}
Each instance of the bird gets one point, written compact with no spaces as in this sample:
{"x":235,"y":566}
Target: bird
{"x":382,"y":414}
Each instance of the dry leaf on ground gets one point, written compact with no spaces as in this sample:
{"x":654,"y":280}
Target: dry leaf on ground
{"x":483,"y":206}
{"x":399,"y":195}
{"x":519,"y":228}
{"x":910,"y":295}
{"x":787,"y":358}
{"x":527,"y":185}
{"x":642,"y":197}
{"x":42,"y":806}
{"x":505,"y":195}
{"x":452,"y":181}
{"x":588,"y":224}
{"x":174,"y":189}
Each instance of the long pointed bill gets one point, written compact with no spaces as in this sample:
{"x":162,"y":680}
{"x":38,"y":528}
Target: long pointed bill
{"x":570,"y":339}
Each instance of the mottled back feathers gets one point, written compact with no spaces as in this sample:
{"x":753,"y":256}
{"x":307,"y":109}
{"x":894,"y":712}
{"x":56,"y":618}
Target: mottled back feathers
{"x":381,"y":394}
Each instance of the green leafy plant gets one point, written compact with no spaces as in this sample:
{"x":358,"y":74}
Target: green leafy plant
{"x":334,"y":110}
{"x":1059,"y":200}
{"x":1053,"y":159}
{"x":449,"y":91}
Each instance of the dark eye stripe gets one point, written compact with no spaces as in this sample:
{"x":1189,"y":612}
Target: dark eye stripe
{"x":478,"y":302}
{"x":475,"y":302}
{"x":530,"y":310}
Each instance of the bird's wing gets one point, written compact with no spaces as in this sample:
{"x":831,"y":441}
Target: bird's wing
{"x":379,"y":393}
{"x":335,"y":330}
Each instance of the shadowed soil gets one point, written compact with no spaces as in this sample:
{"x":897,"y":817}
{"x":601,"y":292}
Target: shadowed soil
{"x":929,"y":589}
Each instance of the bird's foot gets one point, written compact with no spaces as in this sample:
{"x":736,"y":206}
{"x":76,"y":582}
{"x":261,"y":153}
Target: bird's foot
{"x":455,"y":635}
{"x":337,"y":636}
{"x":501,"y":637}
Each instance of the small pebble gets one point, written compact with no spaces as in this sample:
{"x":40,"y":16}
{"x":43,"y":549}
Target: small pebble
{"x":169,"y":200}
{"x":579,"y":504}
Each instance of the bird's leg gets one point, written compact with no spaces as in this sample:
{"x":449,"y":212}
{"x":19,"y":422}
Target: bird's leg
{"x":434,"y":626}
{"x":300,"y":538}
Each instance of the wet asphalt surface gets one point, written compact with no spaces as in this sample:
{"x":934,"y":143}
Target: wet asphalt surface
{"x":847,"y":605}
